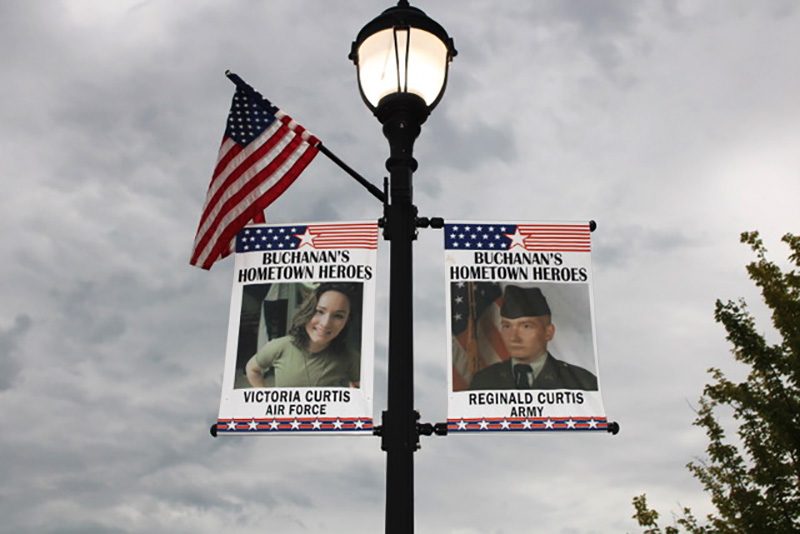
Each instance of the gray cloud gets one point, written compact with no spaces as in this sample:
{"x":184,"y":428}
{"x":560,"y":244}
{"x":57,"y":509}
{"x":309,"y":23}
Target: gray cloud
{"x":9,"y":342}
{"x":671,"y":124}
{"x":622,"y":244}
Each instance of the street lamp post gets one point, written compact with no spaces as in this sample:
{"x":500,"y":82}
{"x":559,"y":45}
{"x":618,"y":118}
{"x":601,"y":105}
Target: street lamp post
{"x":401,"y":57}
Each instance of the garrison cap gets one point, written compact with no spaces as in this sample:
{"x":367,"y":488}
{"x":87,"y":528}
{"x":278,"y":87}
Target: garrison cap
{"x":523,"y":302}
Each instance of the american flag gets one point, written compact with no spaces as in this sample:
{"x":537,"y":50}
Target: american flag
{"x":475,"y":309}
{"x":299,"y":236}
{"x":531,"y":237}
{"x":263,"y":151}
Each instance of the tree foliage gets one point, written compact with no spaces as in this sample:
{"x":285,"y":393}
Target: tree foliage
{"x":754,"y":481}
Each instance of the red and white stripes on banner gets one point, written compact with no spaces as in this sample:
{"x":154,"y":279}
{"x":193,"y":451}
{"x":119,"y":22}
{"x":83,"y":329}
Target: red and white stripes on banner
{"x":357,"y":235}
{"x":556,"y":237}
{"x":246,"y":180}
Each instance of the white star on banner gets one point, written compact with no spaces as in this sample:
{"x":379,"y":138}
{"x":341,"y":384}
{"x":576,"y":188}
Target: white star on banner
{"x":337,"y":424}
{"x":504,"y":424}
{"x":516,"y":239}
{"x":484,"y":425}
{"x":526,"y":424}
{"x":274,"y":425}
{"x":231,"y":425}
{"x":316,"y":424}
{"x":462,"y":425}
{"x":295,"y":424}
{"x":359,"y":423}
{"x":252,"y":424}
{"x":305,"y":239}
{"x":592,"y":423}
{"x":548,"y":423}
{"x":570,"y":424}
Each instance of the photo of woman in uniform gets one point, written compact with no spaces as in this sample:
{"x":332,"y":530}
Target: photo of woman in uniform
{"x":314,"y":352}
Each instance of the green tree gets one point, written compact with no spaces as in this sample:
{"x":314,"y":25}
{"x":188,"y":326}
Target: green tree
{"x":754,"y":483}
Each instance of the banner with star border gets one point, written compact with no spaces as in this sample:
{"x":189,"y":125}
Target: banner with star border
{"x":284,"y":276}
{"x":561,"y":392}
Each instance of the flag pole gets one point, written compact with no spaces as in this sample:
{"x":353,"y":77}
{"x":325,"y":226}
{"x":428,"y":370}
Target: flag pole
{"x":258,"y":97}
{"x":372,"y":188}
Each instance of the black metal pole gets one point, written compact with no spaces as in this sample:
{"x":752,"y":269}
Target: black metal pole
{"x":401,"y":116}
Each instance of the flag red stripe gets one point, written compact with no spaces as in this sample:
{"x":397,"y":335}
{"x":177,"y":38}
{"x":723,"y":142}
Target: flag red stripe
{"x":222,"y":247}
{"x":338,"y":236}
{"x":550,"y":249}
{"x":317,"y":231}
{"x":234,"y":174}
{"x":347,"y":244}
{"x":367,"y":246}
{"x":584,"y":235}
{"x":554,"y":226}
{"x":345,"y":239}
{"x":248,"y":180}
{"x":330,"y":238}
{"x":232,"y":149}
{"x":354,"y":231}
{"x":551,"y":235}
{"x":569,"y":230}
{"x":556,"y":237}
{"x":234,"y":203}
{"x":241,"y":163}
{"x":343,"y":235}
{"x":557,"y":241}
{"x":565,"y":242}
{"x":343,"y":227}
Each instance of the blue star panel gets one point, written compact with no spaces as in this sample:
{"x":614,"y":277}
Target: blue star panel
{"x":478,"y":236}
{"x":272,"y":238}
{"x":248,"y":118}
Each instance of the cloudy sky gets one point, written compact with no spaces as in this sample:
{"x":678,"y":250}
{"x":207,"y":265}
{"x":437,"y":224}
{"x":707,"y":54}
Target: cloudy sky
{"x":673,"y":124}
